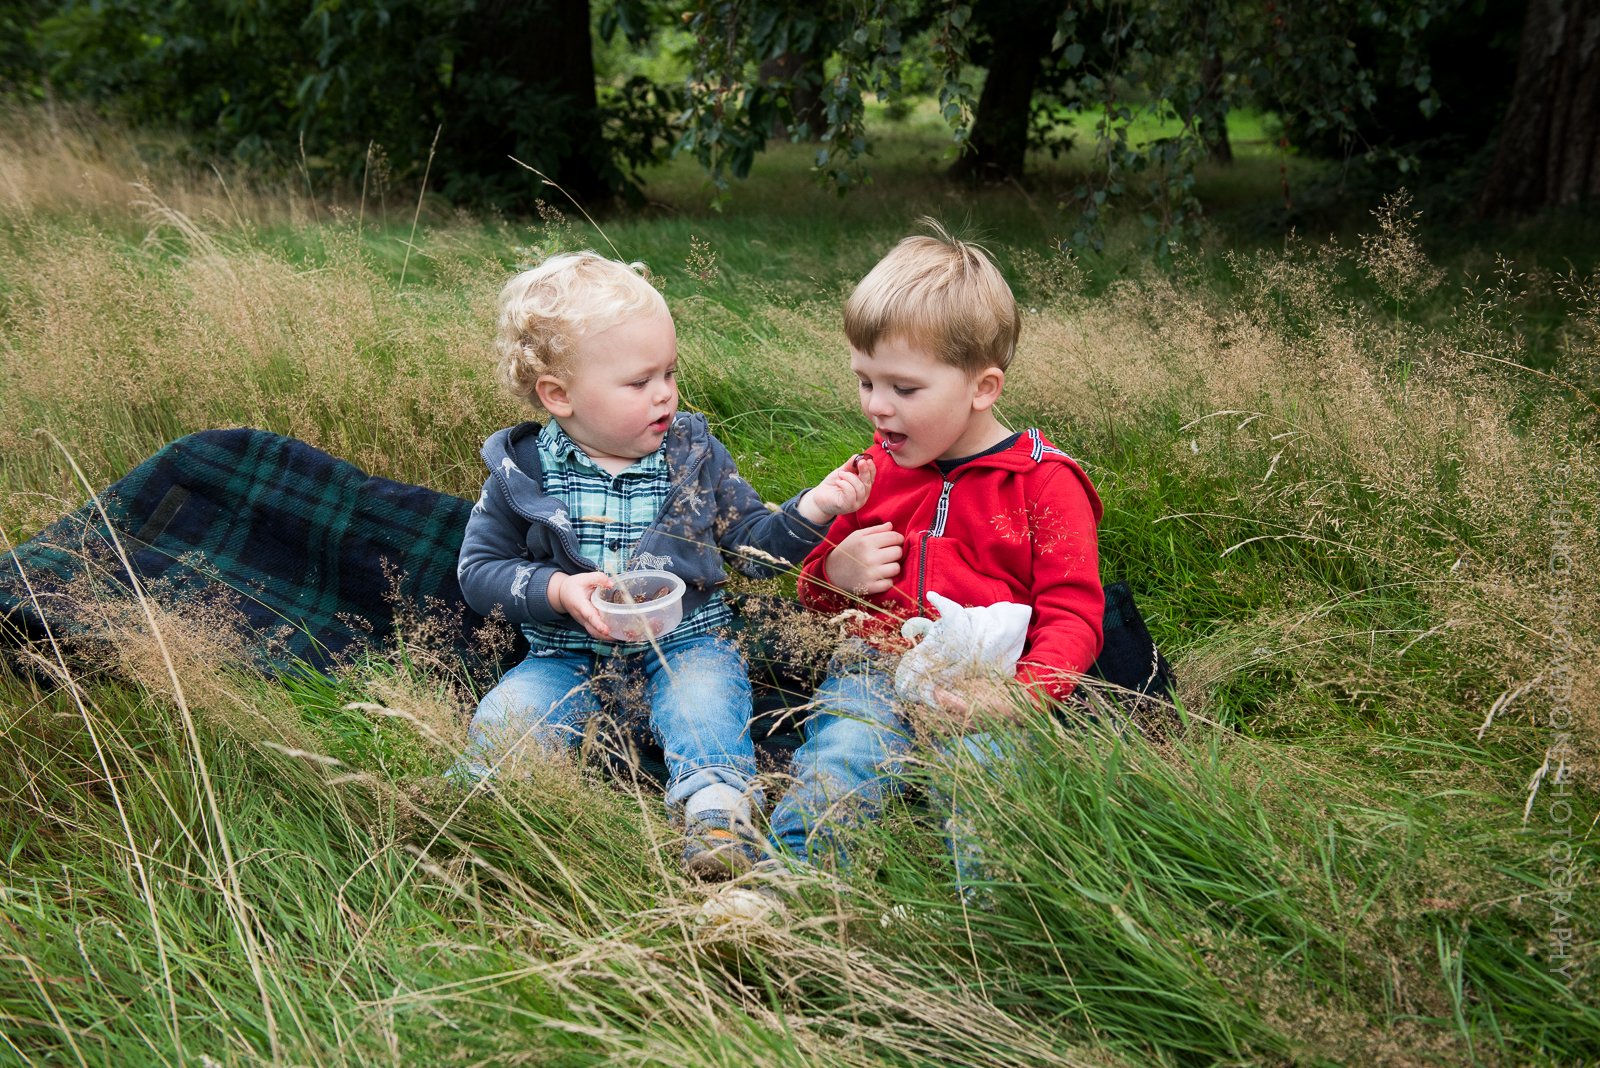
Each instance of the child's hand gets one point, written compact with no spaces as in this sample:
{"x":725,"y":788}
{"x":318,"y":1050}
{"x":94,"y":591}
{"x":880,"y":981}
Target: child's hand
{"x":977,"y":701}
{"x":867,"y":561}
{"x":843,"y":490}
{"x":570,"y":594}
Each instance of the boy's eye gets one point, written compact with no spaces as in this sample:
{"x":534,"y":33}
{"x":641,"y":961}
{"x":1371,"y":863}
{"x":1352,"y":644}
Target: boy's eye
{"x":904,"y":391}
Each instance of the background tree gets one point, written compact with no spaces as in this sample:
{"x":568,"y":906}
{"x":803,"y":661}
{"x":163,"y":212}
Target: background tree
{"x":1185,"y":59}
{"x":267,"y":78}
{"x":21,"y":65}
{"x":1548,"y":152}
{"x":733,"y":109}
{"x":1412,"y":81}
{"x":536,"y":59}
{"x":1012,"y":41}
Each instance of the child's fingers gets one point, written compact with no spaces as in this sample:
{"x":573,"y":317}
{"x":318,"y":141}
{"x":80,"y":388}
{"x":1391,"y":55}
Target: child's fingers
{"x":590,"y":618}
{"x":594,"y":624}
{"x":852,"y":486}
{"x":865,"y":469}
{"x":887,"y":539}
{"x":882,"y":534}
{"x":582,"y":608}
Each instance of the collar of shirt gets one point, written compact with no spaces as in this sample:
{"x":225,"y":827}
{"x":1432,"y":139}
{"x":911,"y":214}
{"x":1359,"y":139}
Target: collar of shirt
{"x":554,"y":443}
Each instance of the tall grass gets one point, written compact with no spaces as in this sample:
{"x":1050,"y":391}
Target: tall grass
{"x":1334,"y":484}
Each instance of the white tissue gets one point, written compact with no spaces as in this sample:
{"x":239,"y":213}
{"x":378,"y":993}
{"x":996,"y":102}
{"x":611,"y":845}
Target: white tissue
{"x":961,"y":643}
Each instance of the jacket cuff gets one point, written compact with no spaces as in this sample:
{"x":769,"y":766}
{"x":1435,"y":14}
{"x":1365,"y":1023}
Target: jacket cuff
{"x":817,"y":591}
{"x":1046,"y":685}
{"x":809,"y":530}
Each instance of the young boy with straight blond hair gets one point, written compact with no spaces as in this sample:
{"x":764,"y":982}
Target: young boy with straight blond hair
{"x":618,"y":480}
{"x":961,"y":505}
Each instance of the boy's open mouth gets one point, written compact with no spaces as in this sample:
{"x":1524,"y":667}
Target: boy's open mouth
{"x":891,"y":440}
{"x":660,"y":425}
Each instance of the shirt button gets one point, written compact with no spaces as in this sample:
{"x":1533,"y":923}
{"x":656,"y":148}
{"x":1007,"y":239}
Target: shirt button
{"x":614,"y":544}
{"x":616,"y":483}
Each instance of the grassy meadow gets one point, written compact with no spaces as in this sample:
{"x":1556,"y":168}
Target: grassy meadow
{"x":1351,"y":475}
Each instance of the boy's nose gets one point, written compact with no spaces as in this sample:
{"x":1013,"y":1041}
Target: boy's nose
{"x":878,"y":404}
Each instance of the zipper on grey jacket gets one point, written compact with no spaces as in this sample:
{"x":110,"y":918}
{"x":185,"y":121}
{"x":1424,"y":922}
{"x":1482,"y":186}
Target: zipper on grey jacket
{"x":941,"y":514}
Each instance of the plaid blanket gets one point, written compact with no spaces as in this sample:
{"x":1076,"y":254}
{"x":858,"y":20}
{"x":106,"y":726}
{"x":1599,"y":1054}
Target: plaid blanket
{"x":304,"y":556}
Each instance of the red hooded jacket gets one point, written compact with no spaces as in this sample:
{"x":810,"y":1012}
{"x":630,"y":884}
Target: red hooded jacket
{"x":1017,"y":525}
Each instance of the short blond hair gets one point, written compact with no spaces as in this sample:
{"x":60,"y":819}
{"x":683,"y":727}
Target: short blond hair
{"x":546,"y":311}
{"x":940,"y":293}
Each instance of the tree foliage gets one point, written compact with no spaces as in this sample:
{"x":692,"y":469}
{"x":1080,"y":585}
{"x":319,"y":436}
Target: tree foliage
{"x":1189,"y":60}
{"x":730,"y":114}
{"x":496,"y":78}
{"x":267,"y":78}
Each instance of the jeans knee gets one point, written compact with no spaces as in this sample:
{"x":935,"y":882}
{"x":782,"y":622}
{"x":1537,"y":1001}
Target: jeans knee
{"x":847,"y":752}
{"x":709,"y":674}
{"x":540,"y":700}
{"x":700,"y":705}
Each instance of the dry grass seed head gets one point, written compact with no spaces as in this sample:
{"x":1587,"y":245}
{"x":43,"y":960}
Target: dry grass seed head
{"x":1393,"y":256}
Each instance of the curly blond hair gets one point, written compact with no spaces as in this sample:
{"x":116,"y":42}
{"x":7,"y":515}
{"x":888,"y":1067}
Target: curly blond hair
{"x":546,"y":311}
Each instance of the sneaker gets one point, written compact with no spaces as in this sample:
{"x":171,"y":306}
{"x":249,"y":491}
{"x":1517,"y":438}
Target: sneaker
{"x":736,"y":904}
{"x":762,"y":895}
{"x":719,"y":844}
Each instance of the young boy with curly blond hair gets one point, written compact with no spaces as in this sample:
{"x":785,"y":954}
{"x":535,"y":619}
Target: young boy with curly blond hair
{"x":617,"y":480}
{"x":962,"y":506}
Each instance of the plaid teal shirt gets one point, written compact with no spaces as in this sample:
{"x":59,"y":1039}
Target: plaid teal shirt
{"x":609,"y":514}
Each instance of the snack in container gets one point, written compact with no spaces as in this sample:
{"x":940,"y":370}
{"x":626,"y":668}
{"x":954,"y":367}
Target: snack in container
{"x":641,"y":605}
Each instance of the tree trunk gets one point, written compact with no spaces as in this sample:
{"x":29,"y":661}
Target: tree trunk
{"x":568,"y":69}
{"x":1549,"y":149}
{"x":998,"y":143}
{"x":537,"y":60}
{"x":1218,"y":147}
{"x":803,"y":73}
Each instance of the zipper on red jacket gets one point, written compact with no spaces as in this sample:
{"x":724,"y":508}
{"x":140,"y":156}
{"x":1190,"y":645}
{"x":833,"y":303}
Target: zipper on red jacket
{"x":941,"y":514}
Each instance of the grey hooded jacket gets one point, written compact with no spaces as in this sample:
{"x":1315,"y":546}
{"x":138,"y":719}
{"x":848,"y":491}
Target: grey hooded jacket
{"x":518,"y":536}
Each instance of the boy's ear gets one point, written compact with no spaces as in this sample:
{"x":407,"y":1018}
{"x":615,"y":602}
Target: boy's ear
{"x":552,"y":394}
{"x":986,"y":388}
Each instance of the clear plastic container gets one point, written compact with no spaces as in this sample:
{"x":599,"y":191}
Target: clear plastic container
{"x":641,"y":605}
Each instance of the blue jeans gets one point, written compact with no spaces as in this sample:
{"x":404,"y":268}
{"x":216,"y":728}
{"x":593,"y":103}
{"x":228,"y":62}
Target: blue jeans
{"x":983,"y":752}
{"x":697,"y":691}
{"x":854,"y":741}
{"x":850,"y":764}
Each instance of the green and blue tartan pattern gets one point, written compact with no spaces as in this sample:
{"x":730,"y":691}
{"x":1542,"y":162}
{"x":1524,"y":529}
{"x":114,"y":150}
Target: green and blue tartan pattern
{"x":310,"y":557}
{"x":609,"y":514}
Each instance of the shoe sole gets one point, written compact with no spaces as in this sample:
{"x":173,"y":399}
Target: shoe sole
{"x":722,"y":855}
